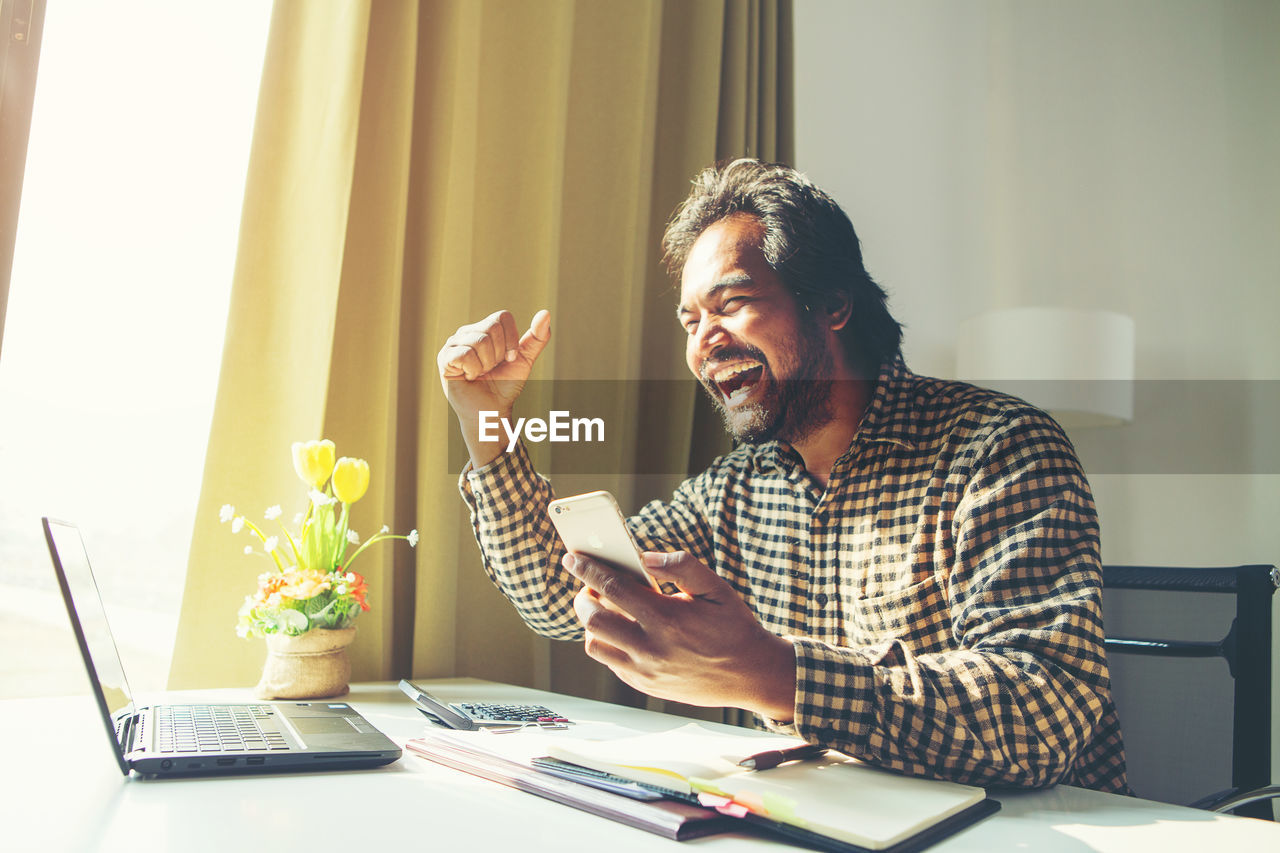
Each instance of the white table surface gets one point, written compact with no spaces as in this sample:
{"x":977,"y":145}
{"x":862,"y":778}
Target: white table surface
{"x":62,"y":790}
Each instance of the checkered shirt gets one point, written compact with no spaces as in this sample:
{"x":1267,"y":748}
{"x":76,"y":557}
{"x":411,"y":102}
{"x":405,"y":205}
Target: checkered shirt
{"x":943,"y":594}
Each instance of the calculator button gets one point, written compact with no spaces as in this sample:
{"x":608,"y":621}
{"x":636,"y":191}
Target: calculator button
{"x":511,"y":713}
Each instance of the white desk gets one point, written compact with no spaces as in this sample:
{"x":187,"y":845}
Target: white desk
{"x":62,"y":790}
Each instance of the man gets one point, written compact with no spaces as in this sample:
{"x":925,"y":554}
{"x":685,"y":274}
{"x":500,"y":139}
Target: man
{"x":897,"y":567}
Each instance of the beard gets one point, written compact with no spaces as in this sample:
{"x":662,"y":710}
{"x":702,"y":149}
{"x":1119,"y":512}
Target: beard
{"x":784,"y":409}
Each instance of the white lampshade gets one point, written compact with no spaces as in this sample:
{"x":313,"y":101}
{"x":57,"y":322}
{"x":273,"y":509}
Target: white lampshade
{"x":1076,"y":365}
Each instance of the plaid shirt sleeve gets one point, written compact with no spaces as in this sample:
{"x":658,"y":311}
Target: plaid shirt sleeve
{"x":1017,"y":690}
{"x":522,"y":551}
{"x":519,"y":545}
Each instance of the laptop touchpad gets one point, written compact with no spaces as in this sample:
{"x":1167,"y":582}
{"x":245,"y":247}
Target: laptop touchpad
{"x":322,"y":725}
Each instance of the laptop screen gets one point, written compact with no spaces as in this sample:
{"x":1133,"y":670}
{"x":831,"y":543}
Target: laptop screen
{"x":84,"y":605}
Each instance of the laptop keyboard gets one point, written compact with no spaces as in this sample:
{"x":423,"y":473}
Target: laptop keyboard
{"x":214,"y":728}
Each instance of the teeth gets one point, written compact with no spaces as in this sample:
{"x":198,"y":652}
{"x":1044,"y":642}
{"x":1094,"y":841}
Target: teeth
{"x":725,"y":373}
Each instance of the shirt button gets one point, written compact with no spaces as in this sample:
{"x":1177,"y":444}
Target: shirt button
{"x":821,"y":599}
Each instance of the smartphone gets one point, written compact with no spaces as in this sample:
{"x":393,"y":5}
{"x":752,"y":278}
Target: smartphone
{"x":592,"y":525}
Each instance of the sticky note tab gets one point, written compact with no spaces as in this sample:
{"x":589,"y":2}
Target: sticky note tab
{"x":781,"y":809}
{"x":706,"y":785}
{"x":724,"y":805}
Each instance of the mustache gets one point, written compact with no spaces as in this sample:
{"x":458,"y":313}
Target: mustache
{"x":729,"y":354}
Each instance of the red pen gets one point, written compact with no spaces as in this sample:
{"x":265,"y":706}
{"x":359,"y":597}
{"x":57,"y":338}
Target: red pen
{"x":772,"y":758}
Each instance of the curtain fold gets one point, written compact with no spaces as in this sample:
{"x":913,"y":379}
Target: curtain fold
{"x":416,"y":166}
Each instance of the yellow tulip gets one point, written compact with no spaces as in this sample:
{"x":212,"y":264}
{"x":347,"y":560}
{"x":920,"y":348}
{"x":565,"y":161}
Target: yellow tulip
{"x":313,"y":460}
{"x":350,"y":479}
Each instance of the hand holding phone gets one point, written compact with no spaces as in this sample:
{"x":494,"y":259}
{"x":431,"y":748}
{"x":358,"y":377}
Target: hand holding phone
{"x":592,"y":525}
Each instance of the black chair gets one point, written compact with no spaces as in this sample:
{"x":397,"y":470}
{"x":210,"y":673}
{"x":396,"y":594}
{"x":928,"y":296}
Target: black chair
{"x":1166,"y":711}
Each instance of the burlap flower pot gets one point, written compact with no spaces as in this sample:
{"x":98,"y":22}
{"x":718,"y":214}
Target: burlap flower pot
{"x":313,"y":665}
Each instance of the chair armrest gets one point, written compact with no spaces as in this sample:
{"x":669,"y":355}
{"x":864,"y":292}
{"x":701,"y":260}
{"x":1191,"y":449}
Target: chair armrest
{"x":1233,"y":798}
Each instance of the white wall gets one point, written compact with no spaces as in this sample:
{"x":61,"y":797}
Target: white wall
{"x":1091,"y":154}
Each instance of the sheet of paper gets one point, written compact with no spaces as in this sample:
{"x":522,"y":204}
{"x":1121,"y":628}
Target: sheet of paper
{"x":525,"y":743}
{"x":847,"y":799}
{"x":672,"y":758}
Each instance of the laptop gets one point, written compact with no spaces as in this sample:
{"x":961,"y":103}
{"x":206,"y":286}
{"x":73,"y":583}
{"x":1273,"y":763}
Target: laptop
{"x":201,"y":739}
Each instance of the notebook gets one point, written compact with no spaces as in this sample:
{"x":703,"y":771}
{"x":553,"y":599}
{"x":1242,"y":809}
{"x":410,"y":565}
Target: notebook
{"x":678,"y":821}
{"x":201,"y":739}
{"x":831,"y":797}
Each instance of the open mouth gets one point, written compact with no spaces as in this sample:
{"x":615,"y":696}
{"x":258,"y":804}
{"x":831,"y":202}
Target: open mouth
{"x":735,"y":381}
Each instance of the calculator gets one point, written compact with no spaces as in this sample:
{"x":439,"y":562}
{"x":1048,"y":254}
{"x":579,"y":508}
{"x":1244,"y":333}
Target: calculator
{"x":469,"y":716}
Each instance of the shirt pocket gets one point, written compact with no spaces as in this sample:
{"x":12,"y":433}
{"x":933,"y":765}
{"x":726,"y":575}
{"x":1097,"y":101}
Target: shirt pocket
{"x":917,"y":615}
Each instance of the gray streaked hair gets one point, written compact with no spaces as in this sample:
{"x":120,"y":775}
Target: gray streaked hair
{"x":808,"y":241}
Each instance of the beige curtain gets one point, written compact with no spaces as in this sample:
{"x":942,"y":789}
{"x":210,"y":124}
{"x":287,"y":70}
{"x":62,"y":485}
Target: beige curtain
{"x":416,"y":166}
{"x":19,"y":60}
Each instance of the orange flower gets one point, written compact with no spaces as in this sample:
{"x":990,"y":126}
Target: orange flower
{"x":301,"y":584}
{"x":269,"y":583}
{"x":358,"y":589}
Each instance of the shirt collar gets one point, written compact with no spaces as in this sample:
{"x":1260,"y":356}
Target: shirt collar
{"x":890,"y":416}
{"x":776,"y":456}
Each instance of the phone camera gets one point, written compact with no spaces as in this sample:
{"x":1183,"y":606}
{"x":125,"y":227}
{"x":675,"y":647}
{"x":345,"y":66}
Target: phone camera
{"x":557,"y":510}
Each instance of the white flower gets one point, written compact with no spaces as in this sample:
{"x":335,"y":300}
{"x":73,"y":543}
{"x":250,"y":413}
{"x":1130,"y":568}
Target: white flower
{"x":248,"y":549}
{"x":341,"y":589}
{"x":319,"y":498}
{"x":227,"y":513}
{"x":353,"y":537}
{"x":385,"y":529}
{"x":297,"y":519}
{"x":350,"y":577}
{"x":413,"y":538}
{"x":270,"y":544}
{"x":273,"y":512}
{"x":242,"y":631}
{"x":237,"y":524}
{"x":293,"y":621}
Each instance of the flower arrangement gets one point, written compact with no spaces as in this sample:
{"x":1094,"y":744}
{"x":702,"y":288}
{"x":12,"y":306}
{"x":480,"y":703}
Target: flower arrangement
{"x":312,"y":585}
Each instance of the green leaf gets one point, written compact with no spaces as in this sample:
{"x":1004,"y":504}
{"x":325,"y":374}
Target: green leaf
{"x":328,"y":532}
{"x":316,"y":604}
{"x":340,"y":540}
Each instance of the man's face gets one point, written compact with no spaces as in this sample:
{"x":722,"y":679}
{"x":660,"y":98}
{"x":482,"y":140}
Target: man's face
{"x":763,"y":359}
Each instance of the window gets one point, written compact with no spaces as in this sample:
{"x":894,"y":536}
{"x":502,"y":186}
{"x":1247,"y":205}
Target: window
{"x":117,"y":309}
